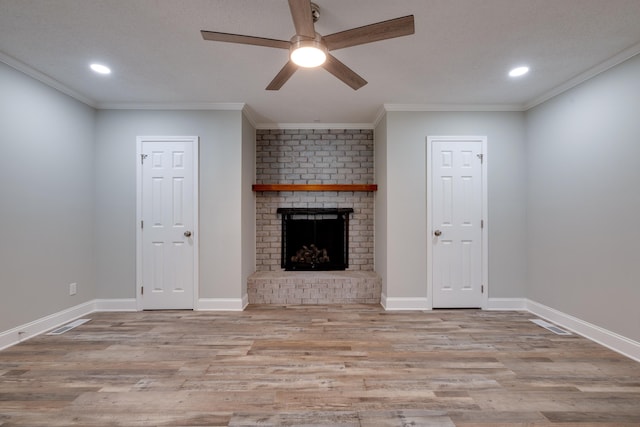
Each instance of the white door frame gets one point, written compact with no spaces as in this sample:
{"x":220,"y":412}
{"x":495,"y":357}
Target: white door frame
{"x":484,"y":230}
{"x":187,"y":139}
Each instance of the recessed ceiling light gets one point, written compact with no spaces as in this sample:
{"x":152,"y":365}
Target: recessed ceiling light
{"x":100,"y":69}
{"x":518,"y":71}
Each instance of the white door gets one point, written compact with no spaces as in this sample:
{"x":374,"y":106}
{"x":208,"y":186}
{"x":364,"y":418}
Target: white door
{"x":456,"y":222}
{"x":168,"y":220}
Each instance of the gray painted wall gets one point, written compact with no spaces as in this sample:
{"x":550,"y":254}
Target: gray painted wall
{"x":248,"y":225}
{"x":380,"y":202}
{"x":406,"y":205}
{"x":221,"y":196}
{"x":583,"y":159}
{"x":46,"y":193}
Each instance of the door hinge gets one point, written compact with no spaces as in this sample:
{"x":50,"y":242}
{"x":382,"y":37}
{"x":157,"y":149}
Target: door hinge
{"x":481,"y":157}
{"x":482,"y":223}
{"x":141,"y":290}
{"x":482,"y":289}
{"x":141,"y":224}
{"x":142,"y":157}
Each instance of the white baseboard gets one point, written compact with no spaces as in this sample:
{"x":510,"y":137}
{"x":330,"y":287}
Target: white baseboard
{"x":402,"y":304}
{"x":121,"y":304}
{"x":515,"y":304}
{"x":611,"y":340}
{"x":393,"y":303}
{"x":221,"y":304}
{"x":31,"y":329}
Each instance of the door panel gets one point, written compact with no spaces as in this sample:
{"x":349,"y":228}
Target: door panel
{"x":168,"y":199}
{"x":456,"y":176}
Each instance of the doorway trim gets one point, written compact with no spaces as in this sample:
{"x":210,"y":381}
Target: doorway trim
{"x":485,"y":228}
{"x":194,"y":141}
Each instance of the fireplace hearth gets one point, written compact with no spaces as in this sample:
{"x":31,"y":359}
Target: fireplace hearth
{"x":315,"y":239}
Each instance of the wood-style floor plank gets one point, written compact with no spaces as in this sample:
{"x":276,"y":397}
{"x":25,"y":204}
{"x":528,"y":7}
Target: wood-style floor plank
{"x":353,"y":365}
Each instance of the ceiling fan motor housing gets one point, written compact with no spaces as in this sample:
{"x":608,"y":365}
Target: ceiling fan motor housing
{"x":315,"y":12}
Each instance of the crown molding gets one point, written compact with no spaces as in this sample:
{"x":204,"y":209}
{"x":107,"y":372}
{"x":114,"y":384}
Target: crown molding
{"x":583,"y":77}
{"x":452,"y":107}
{"x":380,"y":114}
{"x":250,"y":115}
{"x":43,"y":78}
{"x":220,"y":106}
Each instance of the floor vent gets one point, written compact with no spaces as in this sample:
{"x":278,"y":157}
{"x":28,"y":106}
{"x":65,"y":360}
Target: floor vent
{"x":62,"y":329}
{"x":550,"y":327}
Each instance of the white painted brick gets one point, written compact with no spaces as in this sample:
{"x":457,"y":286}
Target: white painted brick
{"x":308,"y":153}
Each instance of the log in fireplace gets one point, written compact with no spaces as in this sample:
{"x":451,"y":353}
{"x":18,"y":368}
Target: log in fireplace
{"x":315,"y":238}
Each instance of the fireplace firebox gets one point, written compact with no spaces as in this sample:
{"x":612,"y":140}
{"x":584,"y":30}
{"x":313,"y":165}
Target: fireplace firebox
{"x":315,"y":238}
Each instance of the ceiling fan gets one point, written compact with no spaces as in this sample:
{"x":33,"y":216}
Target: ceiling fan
{"x":307,"y":45}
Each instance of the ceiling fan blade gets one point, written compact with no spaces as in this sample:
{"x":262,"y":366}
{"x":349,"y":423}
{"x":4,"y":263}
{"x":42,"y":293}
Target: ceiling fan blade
{"x":238,"y":38}
{"x":344,"y":73}
{"x":281,"y":78}
{"x":302,"y":18}
{"x":392,"y":28}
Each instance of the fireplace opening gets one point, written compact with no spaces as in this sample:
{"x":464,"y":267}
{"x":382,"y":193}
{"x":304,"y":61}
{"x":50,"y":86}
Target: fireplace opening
{"x":315,"y":239}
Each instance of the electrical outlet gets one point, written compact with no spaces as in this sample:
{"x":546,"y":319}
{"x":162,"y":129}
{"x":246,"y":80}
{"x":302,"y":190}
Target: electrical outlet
{"x":73,"y":288}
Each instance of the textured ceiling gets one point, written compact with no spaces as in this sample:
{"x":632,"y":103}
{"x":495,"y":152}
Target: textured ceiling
{"x":458,"y":57}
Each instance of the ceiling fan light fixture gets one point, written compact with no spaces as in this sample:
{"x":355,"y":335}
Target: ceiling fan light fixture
{"x":308,"y":53}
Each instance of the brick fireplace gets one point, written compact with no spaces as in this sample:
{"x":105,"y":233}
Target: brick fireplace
{"x":314,"y":156}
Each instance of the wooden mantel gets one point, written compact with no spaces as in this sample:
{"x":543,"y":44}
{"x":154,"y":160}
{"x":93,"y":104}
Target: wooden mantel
{"x":314,"y":187}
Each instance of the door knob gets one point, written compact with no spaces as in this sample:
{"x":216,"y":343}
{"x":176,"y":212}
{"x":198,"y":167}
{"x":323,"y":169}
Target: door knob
{"x":187,"y":234}
{"x":437,"y":233}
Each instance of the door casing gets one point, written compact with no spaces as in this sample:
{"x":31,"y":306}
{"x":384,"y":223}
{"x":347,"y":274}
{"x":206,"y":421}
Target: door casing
{"x":485,"y":228}
{"x":194,"y":140}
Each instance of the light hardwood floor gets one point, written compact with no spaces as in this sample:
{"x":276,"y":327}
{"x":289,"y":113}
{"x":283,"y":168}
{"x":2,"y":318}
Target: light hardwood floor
{"x":354,"y":365}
